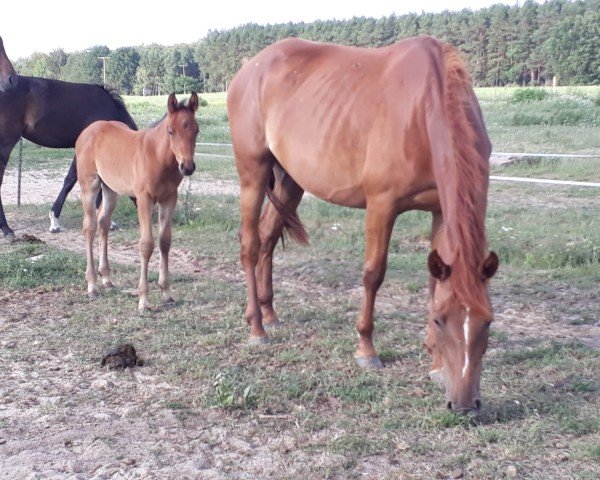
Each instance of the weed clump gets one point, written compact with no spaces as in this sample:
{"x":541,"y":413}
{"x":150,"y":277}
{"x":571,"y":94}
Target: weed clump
{"x":522,"y":95}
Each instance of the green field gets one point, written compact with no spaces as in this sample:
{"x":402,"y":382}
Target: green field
{"x":205,"y":405}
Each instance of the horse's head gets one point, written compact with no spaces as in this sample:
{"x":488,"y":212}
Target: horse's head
{"x":8,"y":76}
{"x":458,"y":333}
{"x":183,"y":130}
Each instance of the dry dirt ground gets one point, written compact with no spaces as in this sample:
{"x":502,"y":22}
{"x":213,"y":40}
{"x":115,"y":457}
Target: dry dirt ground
{"x":65,"y":417}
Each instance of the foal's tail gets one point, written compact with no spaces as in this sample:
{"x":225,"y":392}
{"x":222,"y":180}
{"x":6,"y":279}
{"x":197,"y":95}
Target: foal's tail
{"x":291,"y":222}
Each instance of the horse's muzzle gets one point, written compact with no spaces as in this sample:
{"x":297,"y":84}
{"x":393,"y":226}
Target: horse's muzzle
{"x":9,"y":83}
{"x":187,"y":169}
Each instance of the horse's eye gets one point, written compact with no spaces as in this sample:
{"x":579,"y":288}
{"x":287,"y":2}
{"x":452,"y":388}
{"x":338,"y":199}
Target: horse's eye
{"x":170,"y":130}
{"x":439,"y":322}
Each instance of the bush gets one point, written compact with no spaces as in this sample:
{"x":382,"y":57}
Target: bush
{"x":528,"y":95}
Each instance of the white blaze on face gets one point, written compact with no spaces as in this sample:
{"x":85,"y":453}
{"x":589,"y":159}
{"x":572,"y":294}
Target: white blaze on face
{"x":466,"y":335}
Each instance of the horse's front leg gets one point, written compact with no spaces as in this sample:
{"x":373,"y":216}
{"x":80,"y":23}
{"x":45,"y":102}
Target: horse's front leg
{"x":89,"y":189}
{"x":104,"y":221}
{"x":145,"y":206}
{"x":379,"y":224}
{"x":4,"y":154}
{"x":435,"y":371}
{"x":165,"y":222}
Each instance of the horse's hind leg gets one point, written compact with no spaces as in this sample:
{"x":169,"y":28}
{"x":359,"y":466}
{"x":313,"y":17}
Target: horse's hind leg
{"x":165,"y":223}
{"x":254,"y":172}
{"x":270,"y":228}
{"x":379,"y":224}
{"x":104,"y":222}
{"x":68,"y":184}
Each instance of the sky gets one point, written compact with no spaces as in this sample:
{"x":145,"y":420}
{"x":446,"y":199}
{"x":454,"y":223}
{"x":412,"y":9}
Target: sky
{"x":45,"y":25}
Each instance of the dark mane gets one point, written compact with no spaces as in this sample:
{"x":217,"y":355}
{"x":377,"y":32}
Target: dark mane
{"x":465,"y":219}
{"x":114,"y":94}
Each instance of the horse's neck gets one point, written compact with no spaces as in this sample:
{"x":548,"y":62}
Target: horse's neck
{"x":159,"y":138}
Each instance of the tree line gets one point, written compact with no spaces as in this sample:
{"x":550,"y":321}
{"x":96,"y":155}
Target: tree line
{"x":530,"y":44}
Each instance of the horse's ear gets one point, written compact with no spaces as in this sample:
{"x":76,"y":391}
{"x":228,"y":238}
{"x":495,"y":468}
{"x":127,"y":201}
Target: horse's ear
{"x":172,"y":103}
{"x":437,"y":267}
{"x":193,"y":103}
{"x":490,"y":265}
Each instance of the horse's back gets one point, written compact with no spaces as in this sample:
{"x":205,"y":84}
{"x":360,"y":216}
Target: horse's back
{"x":354,"y":115}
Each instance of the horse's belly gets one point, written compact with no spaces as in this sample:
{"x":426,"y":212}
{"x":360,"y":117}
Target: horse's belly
{"x":118,"y":182}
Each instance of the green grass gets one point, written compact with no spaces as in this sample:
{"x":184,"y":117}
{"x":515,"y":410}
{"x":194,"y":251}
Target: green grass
{"x":540,"y":393}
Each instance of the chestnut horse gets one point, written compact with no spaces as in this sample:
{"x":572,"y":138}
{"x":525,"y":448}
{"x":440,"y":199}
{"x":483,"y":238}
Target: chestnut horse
{"x":52,"y":114}
{"x":147,"y":165}
{"x":387,"y":129}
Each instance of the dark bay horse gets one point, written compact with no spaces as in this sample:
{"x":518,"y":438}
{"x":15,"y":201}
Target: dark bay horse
{"x":387,"y":129}
{"x":147,"y":165}
{"x":51,"y":113}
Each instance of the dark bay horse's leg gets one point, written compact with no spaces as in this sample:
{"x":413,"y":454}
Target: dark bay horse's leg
{"x":270,"y":227}
{"x":4,"y":154}
{"x":68,"y":184}
{"x":379,"y":224}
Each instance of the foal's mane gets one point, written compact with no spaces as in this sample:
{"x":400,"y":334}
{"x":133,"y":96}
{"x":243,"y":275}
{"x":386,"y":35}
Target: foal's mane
{"x":465,"y":219}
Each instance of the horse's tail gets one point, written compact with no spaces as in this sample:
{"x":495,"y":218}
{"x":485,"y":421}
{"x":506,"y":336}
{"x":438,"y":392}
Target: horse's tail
{"x":461,"y":150}
{"x":291,"y":222}
{"x":124,"y":115}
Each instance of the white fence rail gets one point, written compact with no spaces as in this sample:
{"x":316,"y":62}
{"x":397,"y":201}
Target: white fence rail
{"x":492,"y":177}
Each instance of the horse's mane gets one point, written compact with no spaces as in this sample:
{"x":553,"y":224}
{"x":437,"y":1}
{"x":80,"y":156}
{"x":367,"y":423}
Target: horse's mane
{"x":465,"y":220}
{"x":114,"y":94}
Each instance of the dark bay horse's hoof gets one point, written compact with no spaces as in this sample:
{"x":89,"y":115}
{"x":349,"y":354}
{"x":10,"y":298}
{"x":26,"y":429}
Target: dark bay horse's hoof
{"x":10,"y":237}
{"x":256,"y":341}
{"x":370,"y":363}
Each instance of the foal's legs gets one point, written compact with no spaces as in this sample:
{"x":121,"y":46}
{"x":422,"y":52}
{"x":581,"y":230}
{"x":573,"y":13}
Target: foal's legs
{"x":89,"y":190}
{"x":109,"y":203}
{"x":271,"y":224}
{"x":165,"y":223}
{"x":145,"y":206}
{"x":379,"y":224}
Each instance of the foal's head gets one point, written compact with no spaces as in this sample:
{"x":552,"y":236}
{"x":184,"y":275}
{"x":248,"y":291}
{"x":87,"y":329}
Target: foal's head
{"x":183,"y":130}
{"x":8,"y":76}
{"x":459,"y":331}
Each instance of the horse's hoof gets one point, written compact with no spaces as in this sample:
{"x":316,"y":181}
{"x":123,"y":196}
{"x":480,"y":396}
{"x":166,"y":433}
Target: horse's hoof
{"x":113,"y":226}
{"x":273,"y":324}
{"x":370,"y":363}
{"x":108,"y":284}
{"x":255,"y":341}
{"x":52,"y":229}
{"x":168,"y":301}
{"x":94,"y":295}
{"x":10,"y":237}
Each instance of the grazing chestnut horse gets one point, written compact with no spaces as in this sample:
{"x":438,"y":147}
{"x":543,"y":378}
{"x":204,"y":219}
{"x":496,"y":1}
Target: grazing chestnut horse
{"x":52,"y":114}
{"x":147,"y":165}
{"x":387,"y":129}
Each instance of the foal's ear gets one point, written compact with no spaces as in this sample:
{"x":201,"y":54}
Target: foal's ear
{"x":490,"y":265}
{"x":437,"y":267}
{"x":193,"y":103}
{"x":172,"y":103}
